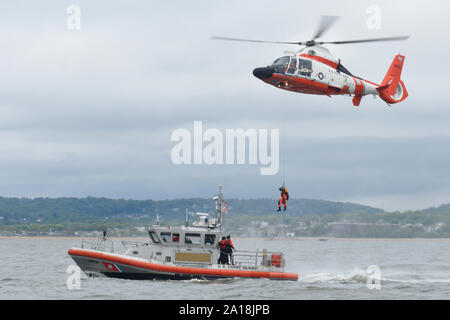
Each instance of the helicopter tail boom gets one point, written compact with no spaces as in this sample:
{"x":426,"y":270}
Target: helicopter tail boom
{"x":392,"y":89}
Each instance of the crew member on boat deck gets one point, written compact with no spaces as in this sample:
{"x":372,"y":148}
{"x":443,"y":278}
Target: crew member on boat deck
{"x":229,"y":250}
{"x":284,"y":198}
{"x":223,"y":256}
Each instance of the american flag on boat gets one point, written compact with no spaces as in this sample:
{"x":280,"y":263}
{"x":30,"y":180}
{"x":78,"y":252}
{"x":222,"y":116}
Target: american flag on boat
{"x":224,"y":207}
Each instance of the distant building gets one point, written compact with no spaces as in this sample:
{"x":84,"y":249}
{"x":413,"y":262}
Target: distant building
{"x":263,"y":224}
{"x":290,"y":234}
{"x":434,"y":227}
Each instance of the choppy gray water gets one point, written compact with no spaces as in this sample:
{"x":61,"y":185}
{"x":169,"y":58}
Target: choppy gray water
{"x":35,"y":268}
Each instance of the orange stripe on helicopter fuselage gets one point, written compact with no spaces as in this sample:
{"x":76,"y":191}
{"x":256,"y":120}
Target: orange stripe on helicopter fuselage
{"x":320,"y":59}
{"x":359,"y":86}
{"x":183,"y":270}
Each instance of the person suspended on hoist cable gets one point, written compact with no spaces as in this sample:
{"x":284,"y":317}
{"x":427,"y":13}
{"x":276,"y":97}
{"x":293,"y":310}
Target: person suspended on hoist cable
{"x":284,"y":197}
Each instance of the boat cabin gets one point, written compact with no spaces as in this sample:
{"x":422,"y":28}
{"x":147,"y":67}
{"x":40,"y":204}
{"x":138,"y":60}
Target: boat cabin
{"x":180,"y":245}
{"x":193,"y":246}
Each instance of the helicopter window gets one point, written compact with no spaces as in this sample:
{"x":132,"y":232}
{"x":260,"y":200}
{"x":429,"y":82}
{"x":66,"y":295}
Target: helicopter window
{"x":280,"y":65}
{"x":176,"y":237}
{"x":292,"y":66}
{"x":192,"y":238}
{"x":304,"y":67}
{"x":209,"y":239}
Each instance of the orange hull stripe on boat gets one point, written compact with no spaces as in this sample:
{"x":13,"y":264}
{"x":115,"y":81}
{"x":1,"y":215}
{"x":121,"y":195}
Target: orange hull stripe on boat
{"x":185,"y":270}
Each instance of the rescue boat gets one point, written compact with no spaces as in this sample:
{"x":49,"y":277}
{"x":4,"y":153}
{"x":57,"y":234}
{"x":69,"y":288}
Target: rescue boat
{"x":179,"y":253}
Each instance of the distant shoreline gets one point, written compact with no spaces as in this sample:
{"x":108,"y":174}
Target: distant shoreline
{"x":234,"y":238}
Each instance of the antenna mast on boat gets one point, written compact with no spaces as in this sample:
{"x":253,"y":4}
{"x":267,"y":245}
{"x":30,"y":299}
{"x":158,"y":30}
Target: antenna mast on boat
{"x":219,"y":202}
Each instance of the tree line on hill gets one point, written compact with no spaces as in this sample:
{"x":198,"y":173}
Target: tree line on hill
{"x":83,"y":214}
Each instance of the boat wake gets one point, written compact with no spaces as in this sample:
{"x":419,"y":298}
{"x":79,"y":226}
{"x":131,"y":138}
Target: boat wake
{"x":354,"y":276}
{"x":361,"y":276}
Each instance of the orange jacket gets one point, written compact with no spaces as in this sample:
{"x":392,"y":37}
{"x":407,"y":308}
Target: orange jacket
{"x":221,"y":244}
{"x":228,"y":242}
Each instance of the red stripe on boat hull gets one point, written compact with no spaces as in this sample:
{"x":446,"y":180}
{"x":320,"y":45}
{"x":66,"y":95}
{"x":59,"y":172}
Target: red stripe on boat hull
{"x":182,"y":270}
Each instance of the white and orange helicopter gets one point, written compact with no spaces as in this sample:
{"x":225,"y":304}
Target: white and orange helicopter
{"x":313,"y":70}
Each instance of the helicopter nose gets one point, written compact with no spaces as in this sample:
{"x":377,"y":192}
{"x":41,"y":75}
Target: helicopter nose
{"x":263,"y":73}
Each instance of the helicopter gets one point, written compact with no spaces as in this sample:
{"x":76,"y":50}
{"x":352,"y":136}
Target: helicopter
{"x":314,"y":70}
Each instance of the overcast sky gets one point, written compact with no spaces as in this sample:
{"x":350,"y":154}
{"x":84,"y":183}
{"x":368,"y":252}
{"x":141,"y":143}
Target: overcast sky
{"x":90,"y":112}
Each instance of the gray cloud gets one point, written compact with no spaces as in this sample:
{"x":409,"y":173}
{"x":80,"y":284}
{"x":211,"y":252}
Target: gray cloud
{"x":90,"y":112}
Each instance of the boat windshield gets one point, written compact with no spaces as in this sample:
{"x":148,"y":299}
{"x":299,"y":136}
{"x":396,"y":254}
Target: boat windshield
{"x":209,"y":239}
{"x":192,"y":238}
{"x":166,"y":236}
{"x":154,"y":237}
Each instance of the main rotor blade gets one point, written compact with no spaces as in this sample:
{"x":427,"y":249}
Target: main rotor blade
{"x":325,"y":23}
{"x":365,"y":40}
{"x":251,"y":40}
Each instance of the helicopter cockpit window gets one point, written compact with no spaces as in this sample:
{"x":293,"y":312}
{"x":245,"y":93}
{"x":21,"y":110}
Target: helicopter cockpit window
{"x":304,"y":67}
{"x":292,"y":66}
{"x":280,"y":65}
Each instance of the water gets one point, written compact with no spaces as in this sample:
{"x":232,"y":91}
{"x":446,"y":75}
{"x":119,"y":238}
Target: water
{"x":35,"y":268}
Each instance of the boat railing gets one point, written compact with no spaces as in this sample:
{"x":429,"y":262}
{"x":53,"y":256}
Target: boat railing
{"x":255,"y":259}
{"x":101,"y":244}
{"x":133,"y":244}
